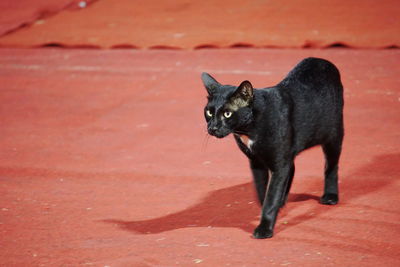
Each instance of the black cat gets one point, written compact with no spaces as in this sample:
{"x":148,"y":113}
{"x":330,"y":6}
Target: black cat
{"x":273,"y":125}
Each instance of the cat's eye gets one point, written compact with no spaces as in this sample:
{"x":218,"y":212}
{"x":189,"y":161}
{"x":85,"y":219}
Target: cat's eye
{"x":208,"y":112}
{"x":227,"y":114}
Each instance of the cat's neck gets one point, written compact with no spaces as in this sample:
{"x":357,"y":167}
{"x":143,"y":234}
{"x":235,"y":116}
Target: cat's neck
{"x":246,"y":140}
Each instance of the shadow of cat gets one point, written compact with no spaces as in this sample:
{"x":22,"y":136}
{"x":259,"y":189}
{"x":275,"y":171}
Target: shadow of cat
{"x":236,"y":207}
{"x":228,"y":207}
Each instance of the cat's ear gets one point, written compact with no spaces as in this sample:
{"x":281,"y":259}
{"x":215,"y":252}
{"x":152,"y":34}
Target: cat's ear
{"x":210,"y":83}
{"x":244,"y":91}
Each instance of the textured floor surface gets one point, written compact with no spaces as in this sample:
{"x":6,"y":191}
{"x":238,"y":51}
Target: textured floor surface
{"x":208,"y":23}
{"x":105,"y":161}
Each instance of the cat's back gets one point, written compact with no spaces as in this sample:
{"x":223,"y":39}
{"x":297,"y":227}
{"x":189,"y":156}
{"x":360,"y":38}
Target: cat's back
{"x":313,"y":74}
{"x":314,"y":81}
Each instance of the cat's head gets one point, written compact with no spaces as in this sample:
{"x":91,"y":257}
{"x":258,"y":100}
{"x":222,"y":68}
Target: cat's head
{"x":229,"y":108}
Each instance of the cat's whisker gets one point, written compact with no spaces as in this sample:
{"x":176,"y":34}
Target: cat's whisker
{"x":205,"y":141}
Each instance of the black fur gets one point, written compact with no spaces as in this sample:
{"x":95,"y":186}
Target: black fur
{"x":303,"y":110}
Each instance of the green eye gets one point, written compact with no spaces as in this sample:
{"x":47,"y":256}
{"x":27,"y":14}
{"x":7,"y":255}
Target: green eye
{"x":209,"y":114}
{"x":227,"y":114}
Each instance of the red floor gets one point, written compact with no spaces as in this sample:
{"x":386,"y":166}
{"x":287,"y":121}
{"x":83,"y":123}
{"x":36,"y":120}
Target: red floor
{"x":105,"y":161}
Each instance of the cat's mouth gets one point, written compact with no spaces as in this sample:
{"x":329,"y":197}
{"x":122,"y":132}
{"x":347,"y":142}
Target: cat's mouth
{"x":218,"y":133}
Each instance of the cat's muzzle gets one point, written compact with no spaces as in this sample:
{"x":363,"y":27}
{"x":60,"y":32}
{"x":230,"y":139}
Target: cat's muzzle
{"x":218,"y":132}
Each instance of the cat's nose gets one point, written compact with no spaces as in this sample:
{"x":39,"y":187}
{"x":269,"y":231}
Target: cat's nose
{"x":212,"y":130}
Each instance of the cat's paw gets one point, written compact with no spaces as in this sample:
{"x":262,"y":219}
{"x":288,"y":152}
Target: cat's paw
{"x":262,"y":232}
{"x":329,"y":199}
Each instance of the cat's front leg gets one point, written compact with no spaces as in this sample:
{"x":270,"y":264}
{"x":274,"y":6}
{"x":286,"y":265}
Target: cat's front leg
{"x":260,"y":177}
{"x":272,"y":202}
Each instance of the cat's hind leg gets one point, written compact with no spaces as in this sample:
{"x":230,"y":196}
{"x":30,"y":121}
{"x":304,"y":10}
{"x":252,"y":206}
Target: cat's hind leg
{"x":260,"y":177}
{"x":332,"y":152}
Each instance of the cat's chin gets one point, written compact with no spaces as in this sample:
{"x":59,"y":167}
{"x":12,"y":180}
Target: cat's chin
{"x":220,"y":135}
